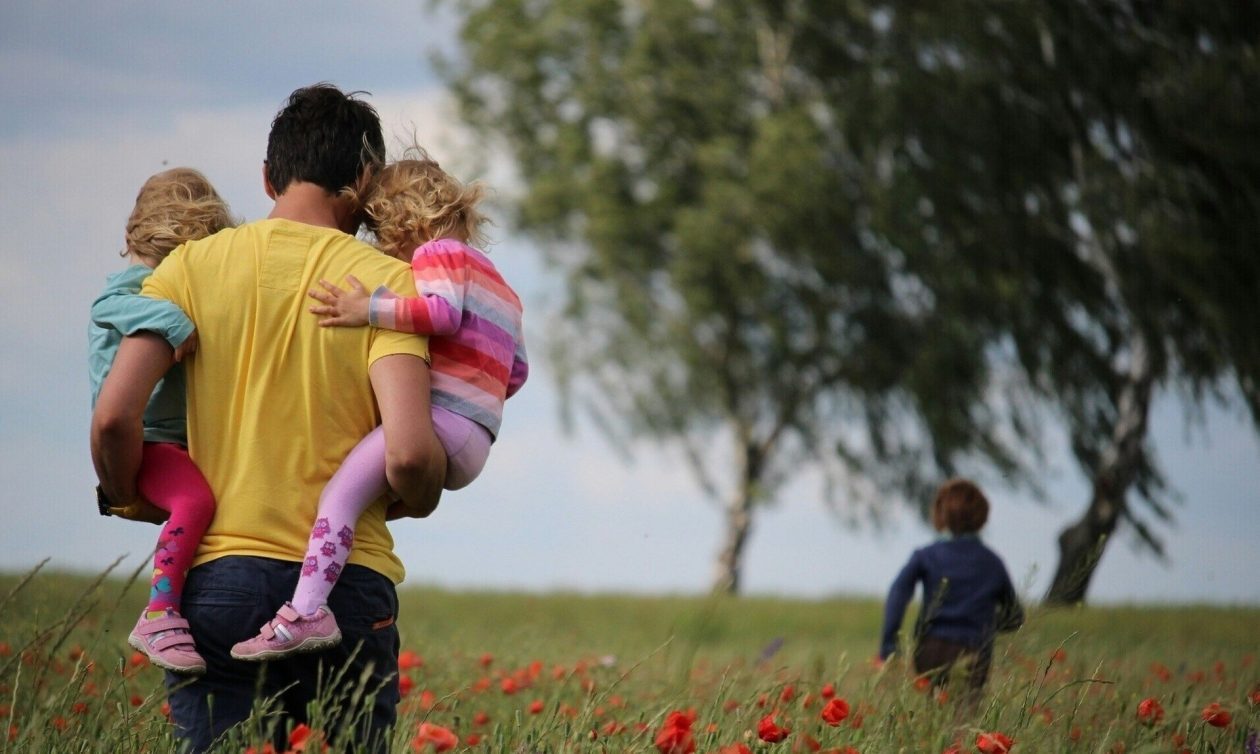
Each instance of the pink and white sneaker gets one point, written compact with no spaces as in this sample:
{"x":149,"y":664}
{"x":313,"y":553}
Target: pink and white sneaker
{"x":290,"y":633}
{"x":167,"y":642}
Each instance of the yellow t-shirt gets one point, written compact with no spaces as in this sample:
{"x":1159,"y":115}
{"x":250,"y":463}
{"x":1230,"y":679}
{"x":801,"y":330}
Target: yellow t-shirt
{"x":275,"y":402}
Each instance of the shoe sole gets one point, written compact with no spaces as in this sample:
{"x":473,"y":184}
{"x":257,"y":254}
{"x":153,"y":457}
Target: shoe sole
{"x":137,"y":643}
{"x":307,"y":645}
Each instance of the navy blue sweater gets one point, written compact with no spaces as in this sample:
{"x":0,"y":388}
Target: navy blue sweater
{"x":967,"y":595}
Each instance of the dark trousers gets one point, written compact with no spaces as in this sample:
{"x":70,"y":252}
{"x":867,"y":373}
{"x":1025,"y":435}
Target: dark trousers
{"x":935,"y":658}
{"x":229,"y":599}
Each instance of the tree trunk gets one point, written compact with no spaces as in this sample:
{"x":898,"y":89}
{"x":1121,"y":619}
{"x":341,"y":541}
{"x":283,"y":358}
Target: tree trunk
{"x":1081,"y":544}
{"x":739,"y":510}
{"x":730,"y":558}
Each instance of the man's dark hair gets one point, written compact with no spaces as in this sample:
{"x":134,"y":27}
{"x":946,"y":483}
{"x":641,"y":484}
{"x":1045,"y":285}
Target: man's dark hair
{"x":323,"y":136}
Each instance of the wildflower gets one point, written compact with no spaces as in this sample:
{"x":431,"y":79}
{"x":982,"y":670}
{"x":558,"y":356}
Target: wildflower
{"x":788,"y":693}
{"x":473,"y":739}
{"x":405,"y":685}
{"x":806,"y":742}
{"x":922,"y":683}
{"x":675,"y":736}
{"x":769,"y":731}
{"x":835,"y":711}
{"x":486,"y":659}
{"x":1216,"y":715}
{"x":302,"y":739}
{"x":1161,"y":671}
{"x":730,"y":705}
{"x":480,"y":718}
{"x":136,"y":700}
{"x":535,"y":707}
{"x":828,"y":691}
{"x":509,"y":685}
{"x":408,"y":660}
{"x":993,"y":743}
{"x":428,"y":734}
{"x":1149,"y":711}
{"x":735,"y":749}
{"x":137,"y":659}
{"x":1058,"y":655}
{"x":955,"y":748}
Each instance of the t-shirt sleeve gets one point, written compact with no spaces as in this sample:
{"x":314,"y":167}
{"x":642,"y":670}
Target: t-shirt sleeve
{"x":169,"y":281}
{"x":130,"y":313}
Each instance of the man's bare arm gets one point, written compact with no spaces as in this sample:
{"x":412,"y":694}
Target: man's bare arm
{"x":415,"y":463}
{"x":118,"y":420}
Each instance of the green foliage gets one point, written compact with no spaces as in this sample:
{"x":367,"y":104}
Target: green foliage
{"x":883,"y":234}
{"x":601,"y":672}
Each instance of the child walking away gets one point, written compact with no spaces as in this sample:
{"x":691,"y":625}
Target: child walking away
{"x":172,"y":207}
{"x":420,"y":214}
{"x":967,"y":594}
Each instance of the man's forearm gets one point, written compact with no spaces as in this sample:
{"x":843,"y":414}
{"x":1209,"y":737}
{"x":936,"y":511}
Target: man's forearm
{"x":415,"y":463}
{"x":117,"y":447}
{"x":117,"y":439}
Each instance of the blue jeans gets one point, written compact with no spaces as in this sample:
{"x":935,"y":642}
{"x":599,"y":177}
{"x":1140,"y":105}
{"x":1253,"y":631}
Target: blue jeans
{"x":229,"y":599}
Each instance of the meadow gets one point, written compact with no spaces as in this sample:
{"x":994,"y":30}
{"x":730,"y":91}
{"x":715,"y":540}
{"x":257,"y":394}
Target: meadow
{"x":522,"y":673}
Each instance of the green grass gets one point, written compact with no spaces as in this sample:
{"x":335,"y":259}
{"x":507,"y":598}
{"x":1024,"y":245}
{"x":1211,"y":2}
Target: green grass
{"x":605,"y":672}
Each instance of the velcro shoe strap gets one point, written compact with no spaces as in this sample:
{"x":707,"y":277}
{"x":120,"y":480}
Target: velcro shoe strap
{"x":172,"y":640}
{"x":169,"y":623}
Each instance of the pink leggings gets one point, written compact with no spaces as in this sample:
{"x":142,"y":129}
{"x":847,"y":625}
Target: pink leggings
{"x":359,"y":482}
{"x":170,"y":480}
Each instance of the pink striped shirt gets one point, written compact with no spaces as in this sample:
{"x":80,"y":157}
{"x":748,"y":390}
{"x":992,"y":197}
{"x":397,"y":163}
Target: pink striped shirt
{"x":473,"y":319}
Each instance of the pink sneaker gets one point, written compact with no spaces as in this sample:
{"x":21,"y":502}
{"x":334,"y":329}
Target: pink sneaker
{"x":290,"y":633}
{"x":168,"y":643}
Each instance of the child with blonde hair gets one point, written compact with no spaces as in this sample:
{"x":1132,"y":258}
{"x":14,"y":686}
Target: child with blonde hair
{"x":172,"y":207}
{"x":967,"y":594}
{"x":423,"y":215}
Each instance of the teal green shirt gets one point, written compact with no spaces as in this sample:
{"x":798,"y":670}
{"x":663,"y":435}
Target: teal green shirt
{"x":119,"y":311}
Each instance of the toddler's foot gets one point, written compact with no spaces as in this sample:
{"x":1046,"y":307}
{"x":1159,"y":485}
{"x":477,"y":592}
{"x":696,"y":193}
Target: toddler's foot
{"x":167,"y":642}
{"x":289,"y":633}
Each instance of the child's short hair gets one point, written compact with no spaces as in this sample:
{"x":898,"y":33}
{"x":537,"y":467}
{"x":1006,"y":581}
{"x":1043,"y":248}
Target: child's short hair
{"x":412,"y":200}
{"x":960,"y":507}
{"x":174,"y":206}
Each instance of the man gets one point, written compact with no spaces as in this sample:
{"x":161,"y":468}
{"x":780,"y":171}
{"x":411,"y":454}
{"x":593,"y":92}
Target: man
{"x":275,"y":402}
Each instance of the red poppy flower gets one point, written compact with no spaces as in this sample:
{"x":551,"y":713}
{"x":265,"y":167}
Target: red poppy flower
{"x":922,"y":683}
{"x":769,"y":731}
{"x":1058,"y":655}
{"x":1216,"y":715}
{"x":954,"y":749}
{"x":828,"y":691}
{"x":480,"y":718}
{"x":535,"y":706}
{"x":675,"y":736}
{"x":993,"y":743}
{"x":302,"y":739}
{"x":408,"y":659}
{"x":405,"y":685}
{"x":835,"y":711}
{"x":509,"y":685}
{"x":486,"y":659}
{"x":735,"y":749}
{"x":428,"y":734}
{"x":473,"y":739}
{"x":788,"y":693}
{"x":806,"y":742}
{"x":1150,"y":711}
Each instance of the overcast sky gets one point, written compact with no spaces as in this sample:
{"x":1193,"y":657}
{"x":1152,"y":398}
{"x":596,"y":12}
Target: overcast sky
{"x":96,"y":97}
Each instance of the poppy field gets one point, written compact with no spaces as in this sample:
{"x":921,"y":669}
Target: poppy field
{"x":522,"y":673}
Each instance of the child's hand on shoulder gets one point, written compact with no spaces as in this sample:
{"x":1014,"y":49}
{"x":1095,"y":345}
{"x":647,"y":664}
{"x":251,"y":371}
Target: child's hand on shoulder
{"x":342,"y":308}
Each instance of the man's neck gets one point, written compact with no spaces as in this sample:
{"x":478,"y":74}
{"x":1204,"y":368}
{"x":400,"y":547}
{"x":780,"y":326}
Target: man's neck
{"x":310,"y":204}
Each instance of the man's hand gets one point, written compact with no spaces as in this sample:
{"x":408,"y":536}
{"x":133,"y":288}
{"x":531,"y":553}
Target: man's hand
{"x":137,"y":510}
{"x":342,"y":308}
{"x":188,"y":347}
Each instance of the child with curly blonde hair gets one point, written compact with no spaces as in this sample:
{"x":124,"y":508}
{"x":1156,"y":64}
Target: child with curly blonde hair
{"x":423,"y":215}
{"x":172,"y":207}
